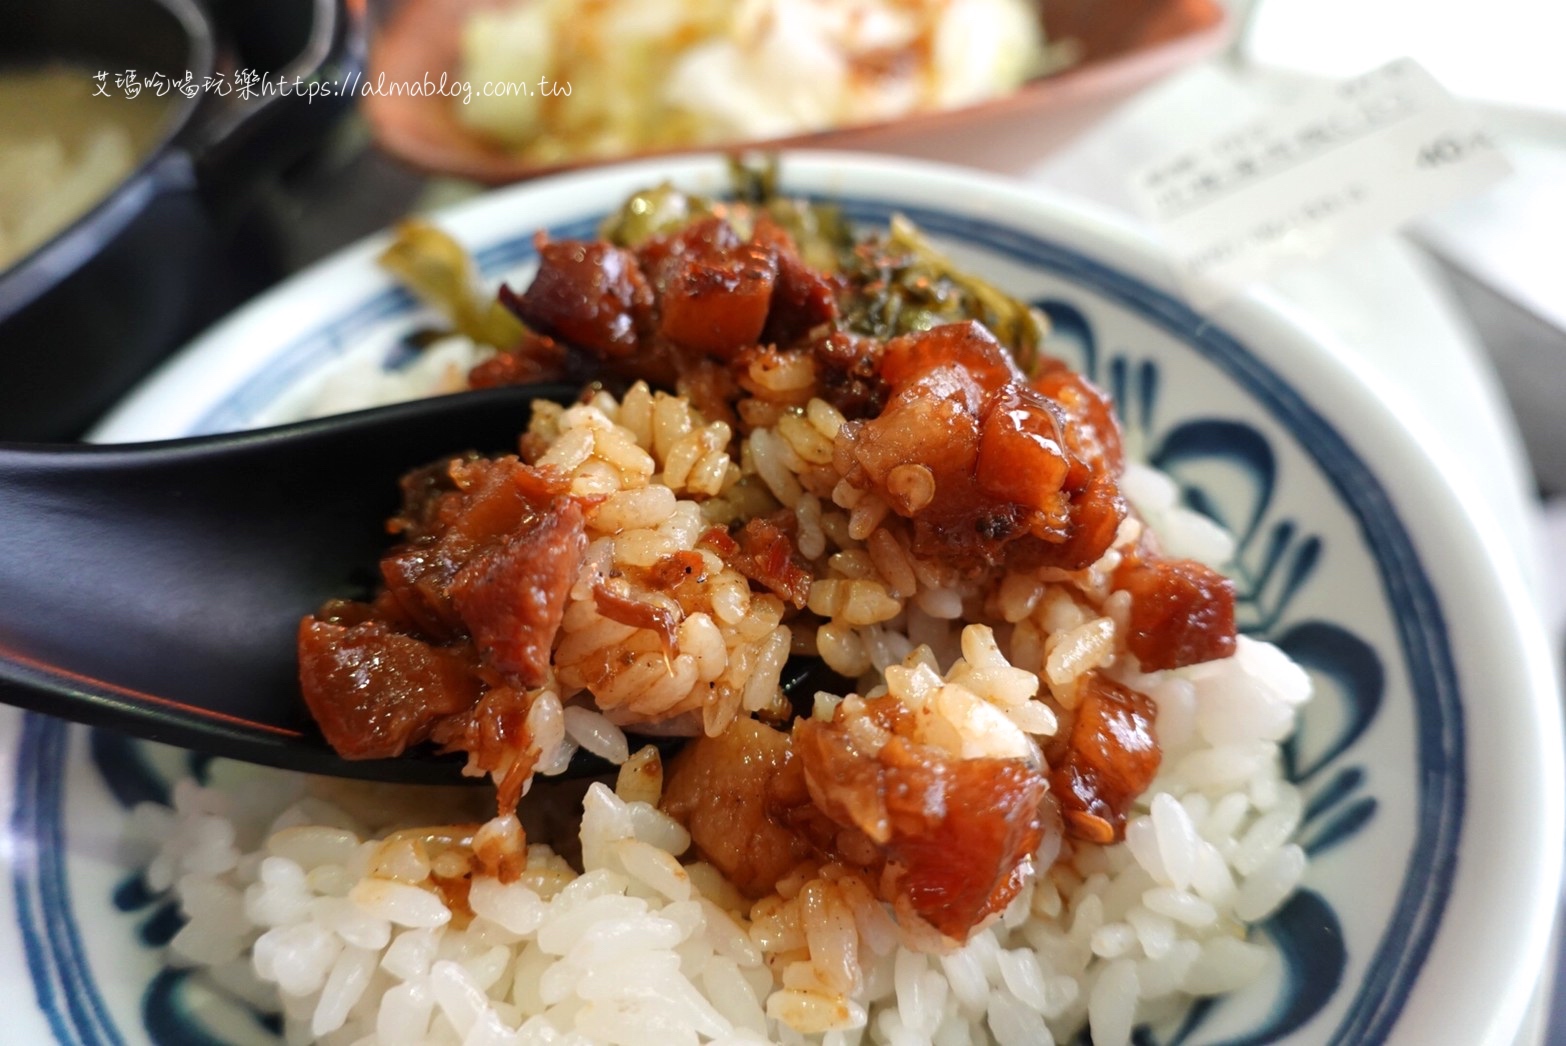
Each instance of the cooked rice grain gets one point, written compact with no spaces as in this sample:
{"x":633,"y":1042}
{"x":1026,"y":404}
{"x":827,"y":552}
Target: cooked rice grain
{"x":642,"y":942}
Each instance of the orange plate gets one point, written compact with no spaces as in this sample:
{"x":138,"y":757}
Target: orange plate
{"x":1125,"y":45}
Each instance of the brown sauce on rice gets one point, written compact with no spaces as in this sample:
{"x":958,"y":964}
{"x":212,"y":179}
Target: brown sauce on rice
{"x":849,"y":454}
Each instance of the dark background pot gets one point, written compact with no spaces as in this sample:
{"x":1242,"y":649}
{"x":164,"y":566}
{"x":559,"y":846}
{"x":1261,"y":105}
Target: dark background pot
{"x":184,"y":238}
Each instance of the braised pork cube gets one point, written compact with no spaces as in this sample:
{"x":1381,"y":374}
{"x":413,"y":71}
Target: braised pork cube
{"x":1107,"y":759}
{"x":735,"y":794}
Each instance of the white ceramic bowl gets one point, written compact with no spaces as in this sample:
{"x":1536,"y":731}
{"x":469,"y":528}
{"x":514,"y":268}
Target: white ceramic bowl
{"x":1430,"y":757}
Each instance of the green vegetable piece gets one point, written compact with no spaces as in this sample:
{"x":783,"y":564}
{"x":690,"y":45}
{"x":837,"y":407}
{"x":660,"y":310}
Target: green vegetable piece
{"x":905,"y":285}
{"x":658,"y":211}
{"x":438,"y":271}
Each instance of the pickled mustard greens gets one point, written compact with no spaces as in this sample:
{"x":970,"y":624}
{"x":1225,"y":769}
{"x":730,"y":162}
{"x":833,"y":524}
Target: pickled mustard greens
{"x":901,"y":283}
{"x":438,"y":271}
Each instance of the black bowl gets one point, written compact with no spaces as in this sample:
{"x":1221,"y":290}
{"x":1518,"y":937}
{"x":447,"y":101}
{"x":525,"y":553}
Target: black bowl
{"x":175,"y":245}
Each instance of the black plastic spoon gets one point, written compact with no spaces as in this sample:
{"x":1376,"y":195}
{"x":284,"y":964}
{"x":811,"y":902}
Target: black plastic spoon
{"x":156,"y":587}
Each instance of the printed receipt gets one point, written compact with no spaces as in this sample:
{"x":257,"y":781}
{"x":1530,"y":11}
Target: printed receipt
{"x":1349,"y":161}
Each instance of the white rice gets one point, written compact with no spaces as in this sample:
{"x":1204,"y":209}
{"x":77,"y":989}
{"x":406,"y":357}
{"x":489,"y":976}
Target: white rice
{"x":640,"y":948}
{"x":302,"y":900}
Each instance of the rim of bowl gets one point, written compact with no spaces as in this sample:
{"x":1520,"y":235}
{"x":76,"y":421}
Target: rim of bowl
{"x":1469,"y":544}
